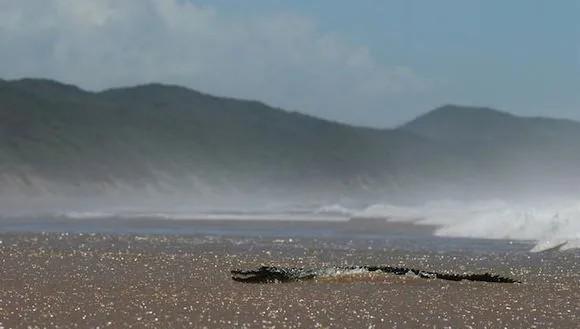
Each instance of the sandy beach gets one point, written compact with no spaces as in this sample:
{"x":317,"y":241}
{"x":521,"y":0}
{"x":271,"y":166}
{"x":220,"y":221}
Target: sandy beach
{"x":80,"y":280}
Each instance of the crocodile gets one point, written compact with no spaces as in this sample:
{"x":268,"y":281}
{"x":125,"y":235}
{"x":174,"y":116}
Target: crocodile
{"x":271,"y":274}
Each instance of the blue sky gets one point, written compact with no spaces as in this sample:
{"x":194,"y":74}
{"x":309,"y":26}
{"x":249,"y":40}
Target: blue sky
{"x":366,"y":62}
{"x":521,"y":55}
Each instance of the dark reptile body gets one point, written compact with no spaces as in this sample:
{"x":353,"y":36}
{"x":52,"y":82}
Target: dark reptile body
{"x":270,"y":274}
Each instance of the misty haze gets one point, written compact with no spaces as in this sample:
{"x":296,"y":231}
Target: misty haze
{"x":420,"y":171}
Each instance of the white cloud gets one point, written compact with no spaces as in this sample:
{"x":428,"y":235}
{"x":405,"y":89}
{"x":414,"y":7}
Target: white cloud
{"x":281,"y":59}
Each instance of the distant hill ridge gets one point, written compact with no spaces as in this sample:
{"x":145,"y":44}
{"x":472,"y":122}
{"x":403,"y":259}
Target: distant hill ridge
{"x":451,"y":122}
{"x":58,"y":138}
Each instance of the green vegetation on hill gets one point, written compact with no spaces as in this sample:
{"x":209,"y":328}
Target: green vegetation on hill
{"x":540,"y":154}
{"x":170,"y":138}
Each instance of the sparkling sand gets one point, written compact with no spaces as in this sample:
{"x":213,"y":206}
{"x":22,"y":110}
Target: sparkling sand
{"x":59,"y":280}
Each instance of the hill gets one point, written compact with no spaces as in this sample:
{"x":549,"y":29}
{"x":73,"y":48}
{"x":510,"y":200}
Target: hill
{"x":59,"y":139}
{"x":461,"y":124}
{"x":540,"y":154}
{"x":172,"y":142}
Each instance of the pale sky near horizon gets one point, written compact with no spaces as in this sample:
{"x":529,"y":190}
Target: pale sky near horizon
{"x":366,"y":62}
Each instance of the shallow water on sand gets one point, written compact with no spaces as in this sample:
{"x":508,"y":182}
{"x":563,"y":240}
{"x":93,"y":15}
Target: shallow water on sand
{"x":365,"y":233}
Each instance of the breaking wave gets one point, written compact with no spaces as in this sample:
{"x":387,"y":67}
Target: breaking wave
{"x":204,"y":215}
{"x":550,"y":227}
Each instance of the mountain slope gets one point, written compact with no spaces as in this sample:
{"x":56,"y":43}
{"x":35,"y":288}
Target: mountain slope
{"x":170,"y":138}
{"x":462,"y":124}
{"x":537,"y":153}
{"x":57,"y":139}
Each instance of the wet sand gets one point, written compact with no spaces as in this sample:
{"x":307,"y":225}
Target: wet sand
{"x":58,"y":280}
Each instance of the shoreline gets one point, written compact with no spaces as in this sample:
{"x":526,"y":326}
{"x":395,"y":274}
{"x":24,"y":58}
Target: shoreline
{"x":133,"y":225}
{"x":373,"y":232}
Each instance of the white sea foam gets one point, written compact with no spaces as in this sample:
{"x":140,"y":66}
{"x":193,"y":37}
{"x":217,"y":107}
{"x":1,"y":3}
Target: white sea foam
{"x":194,"y":215}
{"x":556,"y":227}
{"x":551,"y":227}
{"x":334,"y":209}
{"x":86,"y":214}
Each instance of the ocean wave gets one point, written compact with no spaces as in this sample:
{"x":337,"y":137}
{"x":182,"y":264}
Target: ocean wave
{"x":194,"y":215}
{"x":335,"y":209}
{"x":85,"y":214}
{"x":550,"y":227}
